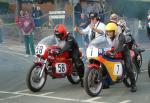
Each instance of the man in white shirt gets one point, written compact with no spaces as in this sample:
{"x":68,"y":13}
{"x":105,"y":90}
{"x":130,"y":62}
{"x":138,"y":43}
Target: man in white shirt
{"x":94,"y":29}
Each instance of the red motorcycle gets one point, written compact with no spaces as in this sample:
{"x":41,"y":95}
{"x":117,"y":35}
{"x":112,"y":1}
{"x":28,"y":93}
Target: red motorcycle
{"x":135,"y":47}
{"x":48,"y":63}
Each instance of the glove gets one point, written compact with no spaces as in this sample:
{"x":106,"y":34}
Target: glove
{"x":57,"y":51}
{"x":110,"y":54}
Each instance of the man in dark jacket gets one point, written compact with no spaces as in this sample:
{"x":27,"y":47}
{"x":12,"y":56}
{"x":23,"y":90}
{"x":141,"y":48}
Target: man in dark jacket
{"x":72,"y":46}
{"x":117,"y":40}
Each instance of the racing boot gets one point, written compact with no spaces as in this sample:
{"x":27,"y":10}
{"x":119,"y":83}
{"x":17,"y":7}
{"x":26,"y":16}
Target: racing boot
{"x":80,"y":70}
{"x":81,"y":80}
{"x":133,"y":85}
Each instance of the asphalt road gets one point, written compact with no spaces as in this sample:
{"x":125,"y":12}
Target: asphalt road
{"x":14,"y":67}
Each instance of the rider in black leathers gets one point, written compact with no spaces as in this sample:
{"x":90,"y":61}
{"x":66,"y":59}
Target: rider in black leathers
{"x":72,"y":46}
{"x":118,"y":41}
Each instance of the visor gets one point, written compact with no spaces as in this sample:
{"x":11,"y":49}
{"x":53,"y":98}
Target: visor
{"x":59,"y":35}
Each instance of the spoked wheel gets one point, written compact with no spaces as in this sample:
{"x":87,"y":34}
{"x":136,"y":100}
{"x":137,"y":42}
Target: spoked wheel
{"x":93,"y":82}
{"x":127,"y":81}
{"x":34,"y":82}
{"x":149,"y":68}
{"x":73,"y":78}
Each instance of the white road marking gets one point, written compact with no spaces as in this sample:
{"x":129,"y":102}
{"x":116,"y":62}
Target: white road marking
{"x":125,"y":101}
{"x":50,"y":97}
{"x":22,"y":91}
{"x":46,"y":93}
{"x":144,"y":71}
{"x":11,"y":97}
{"x":92,"y":99}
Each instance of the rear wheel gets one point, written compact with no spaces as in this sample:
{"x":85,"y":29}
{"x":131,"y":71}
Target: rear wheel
{"x":34,"y":82}
{"x":149,"y":68}
{"x":93,"y":82}
{"x":127,"y":81}
{"x":138,"y":62}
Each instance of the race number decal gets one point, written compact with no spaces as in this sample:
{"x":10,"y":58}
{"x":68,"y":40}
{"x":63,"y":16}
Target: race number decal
{"x":92,"y":52}
{"x":60,"y":68}
{"x":40,"y":49}
{"x":118,"y":69}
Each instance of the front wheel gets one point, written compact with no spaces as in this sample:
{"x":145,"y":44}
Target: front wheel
{"x":149,"y":68}
{"x":93,"y":82}
{"x":34,"y":82}
{"x":127,"y":81}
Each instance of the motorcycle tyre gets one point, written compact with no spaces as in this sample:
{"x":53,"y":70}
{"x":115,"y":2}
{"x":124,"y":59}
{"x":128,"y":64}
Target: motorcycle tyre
{"x":137,"y":64}
{"x":86,"y":87}
{"x":28,"y":82}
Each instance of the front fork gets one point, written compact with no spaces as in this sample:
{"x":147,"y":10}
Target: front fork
{"x":43,"y":67}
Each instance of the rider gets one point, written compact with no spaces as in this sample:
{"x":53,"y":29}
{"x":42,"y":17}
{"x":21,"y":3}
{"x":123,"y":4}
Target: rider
{"x":94,"y":29}
{"x":70,"y":45}
{"x":122,"y":28}
{"x":114,"y":18}
{"x":117,"y":40}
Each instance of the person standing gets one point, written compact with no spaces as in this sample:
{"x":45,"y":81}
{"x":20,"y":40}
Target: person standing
{"x":27,"y":27}
{"x":68,"y":10}
{"x":94,"y":29}
{"x":38,"y":14}
{"x":33,"y":13}
{"x":77,"y":13}
{"x":18,"y":23}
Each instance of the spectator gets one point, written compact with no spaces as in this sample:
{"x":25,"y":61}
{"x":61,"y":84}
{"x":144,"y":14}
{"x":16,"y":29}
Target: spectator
{"x":90,"y":8}
{"x":83,"y":21}
{"x":34,"y":9}
{"x":38,"y":14}
{"x":77,"y":13}
{"x":27,"y":27}
{"x":68,"y":10}
{"x":83,"y":24}
{"x":1,"y":31}
{"x":33,"y":12}
{"x":18,"y":22}
{"x":94,"y":29}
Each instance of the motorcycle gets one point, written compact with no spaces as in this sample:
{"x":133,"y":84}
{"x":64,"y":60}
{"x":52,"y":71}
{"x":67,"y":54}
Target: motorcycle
{"x":135,"y":47}
{"x":100,"y":68}
{"x":48,"y":63}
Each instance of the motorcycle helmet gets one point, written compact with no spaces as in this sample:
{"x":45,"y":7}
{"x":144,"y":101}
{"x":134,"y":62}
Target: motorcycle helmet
{"x":111,"y":30}
{"x":60,"y":31}
{"x":114,"y":17}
